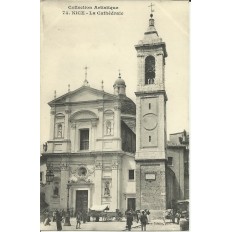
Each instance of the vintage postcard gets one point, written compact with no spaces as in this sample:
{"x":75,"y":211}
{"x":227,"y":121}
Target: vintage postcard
{"x":114,"y":115}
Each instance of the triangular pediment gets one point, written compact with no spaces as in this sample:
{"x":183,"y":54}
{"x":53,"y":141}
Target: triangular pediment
{"x":85,"y":93}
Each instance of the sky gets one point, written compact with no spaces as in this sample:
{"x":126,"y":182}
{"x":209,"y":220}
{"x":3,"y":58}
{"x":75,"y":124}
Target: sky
{"x":105,"y":44}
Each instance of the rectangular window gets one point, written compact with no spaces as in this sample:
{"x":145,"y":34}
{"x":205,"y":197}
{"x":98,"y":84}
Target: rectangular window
{"x":84,"y":139}
{"x":149,"y":106}
{"x":170,"y":161}
{"x":41,"y":176}
{"x":131,"y":174}
{"x":149,"y":138}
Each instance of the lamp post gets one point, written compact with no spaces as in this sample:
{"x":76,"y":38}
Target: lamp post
{"x":49,"y":176}
{"x":67,"y":215}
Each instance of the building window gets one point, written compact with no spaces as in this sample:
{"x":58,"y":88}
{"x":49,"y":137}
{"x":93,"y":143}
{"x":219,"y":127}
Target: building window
{"x":170,"y":161}
{"x":131,"y":174}
{"x":149,"y":138}
{"x":41,"y":176}
{"x":84,"y":139}
{"x":149,"y":70}
{"x":149,"y":106}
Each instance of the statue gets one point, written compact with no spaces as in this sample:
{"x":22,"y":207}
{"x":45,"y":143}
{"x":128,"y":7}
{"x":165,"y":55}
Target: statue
{"x":45,"y":147}
{"x":107,"y":189}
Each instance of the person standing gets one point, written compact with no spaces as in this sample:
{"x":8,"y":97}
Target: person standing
{"x":143,"y":220}
{"x":78,"y":218}
{"x":58,"y":221}
{"x":54,"y":216}
{"x":129,"y":220}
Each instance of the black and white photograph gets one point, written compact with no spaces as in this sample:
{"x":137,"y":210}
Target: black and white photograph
{"x":114,"y":116}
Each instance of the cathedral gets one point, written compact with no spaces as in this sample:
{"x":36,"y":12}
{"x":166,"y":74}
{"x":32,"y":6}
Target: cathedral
{"x":104,"y":149}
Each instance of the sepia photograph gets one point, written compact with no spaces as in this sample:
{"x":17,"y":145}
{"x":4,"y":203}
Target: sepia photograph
{"x":114,"y":115}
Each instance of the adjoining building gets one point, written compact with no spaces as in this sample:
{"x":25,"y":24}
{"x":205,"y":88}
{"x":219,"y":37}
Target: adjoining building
{"x":111,"y":151}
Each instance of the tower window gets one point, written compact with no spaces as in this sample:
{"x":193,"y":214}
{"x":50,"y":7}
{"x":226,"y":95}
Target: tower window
{"x":84,"y":139}
{"x":170,"y":161}
{"x":149,"y":106}
{"x":131,"y":174}
{"x":149,"y":70}
{"x":149,"y":138}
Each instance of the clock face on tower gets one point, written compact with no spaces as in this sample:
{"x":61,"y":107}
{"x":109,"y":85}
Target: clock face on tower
{"x":150,"y":121}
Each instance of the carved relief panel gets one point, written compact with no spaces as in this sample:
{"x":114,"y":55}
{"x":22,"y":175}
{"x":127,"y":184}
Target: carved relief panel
{"x":82,"y":173}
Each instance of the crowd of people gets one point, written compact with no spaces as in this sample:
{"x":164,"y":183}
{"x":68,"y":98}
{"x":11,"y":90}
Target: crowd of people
{"x":59,"y":215}
{"x":142,"y":216}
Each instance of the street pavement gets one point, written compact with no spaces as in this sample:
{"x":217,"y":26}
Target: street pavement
{"x":112,"y":226}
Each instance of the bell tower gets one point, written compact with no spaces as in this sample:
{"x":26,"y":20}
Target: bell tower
{"x":151,"y":121}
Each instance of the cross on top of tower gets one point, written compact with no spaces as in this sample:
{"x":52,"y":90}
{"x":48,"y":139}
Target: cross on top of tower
{"x":119,"y":75}
{"x":151,"y":9}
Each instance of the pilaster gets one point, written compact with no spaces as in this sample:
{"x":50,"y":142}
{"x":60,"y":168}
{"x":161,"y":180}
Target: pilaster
{"x":117,"y":123}
{"x":116,"y":194}
{"x":67,"y":131}
{"x":64,"y":167}
{"x":52,"y":122}
{"x":98,"y":182}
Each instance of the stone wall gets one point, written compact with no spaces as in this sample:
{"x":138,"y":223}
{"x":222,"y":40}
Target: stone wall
{"x":151,"y":185}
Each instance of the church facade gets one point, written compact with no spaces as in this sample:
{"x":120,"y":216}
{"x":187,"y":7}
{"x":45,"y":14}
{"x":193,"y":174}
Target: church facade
{"x":106,"y":149}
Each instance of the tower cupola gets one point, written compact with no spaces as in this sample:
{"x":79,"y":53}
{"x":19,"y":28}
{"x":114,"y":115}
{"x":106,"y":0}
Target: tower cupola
{"x":119,"y":86}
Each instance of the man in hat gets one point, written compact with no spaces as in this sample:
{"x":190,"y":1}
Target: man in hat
{"x":143,"y":220}
{"x":129,"y":220}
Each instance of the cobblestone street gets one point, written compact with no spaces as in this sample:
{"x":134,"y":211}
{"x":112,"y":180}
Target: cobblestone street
{"x":112,"y":226}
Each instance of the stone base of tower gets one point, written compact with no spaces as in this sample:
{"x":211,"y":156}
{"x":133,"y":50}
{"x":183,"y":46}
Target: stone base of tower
{"x":151,"y":186}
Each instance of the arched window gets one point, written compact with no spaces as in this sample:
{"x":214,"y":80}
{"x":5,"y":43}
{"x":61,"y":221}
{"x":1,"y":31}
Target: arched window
{"x":149,"y":70}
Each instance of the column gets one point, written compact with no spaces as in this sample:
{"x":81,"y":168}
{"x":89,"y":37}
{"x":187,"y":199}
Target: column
{"x":64,"y":181}
{"x":101,"y":121}
{"x":97,"y":198}
{"x":117,"y":123}
{"x":100,"y":128}
{"x":52,"y":122}
{"x":115,"y":190}
{"x":73,"y":136}
{"x":93,"y":136}
{"x":66,"y":131}
{"x":140,"y":74}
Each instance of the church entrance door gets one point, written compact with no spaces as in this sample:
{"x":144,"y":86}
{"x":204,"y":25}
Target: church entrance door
{"x":131,"y":203}
{"x":82,"y":200}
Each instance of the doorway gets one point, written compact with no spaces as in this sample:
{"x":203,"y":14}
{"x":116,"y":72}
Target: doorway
{"x":82,"y":200}
{"x":131,"y":203}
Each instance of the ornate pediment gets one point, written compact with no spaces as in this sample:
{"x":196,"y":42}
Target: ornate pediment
{"x":83,"y":94}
